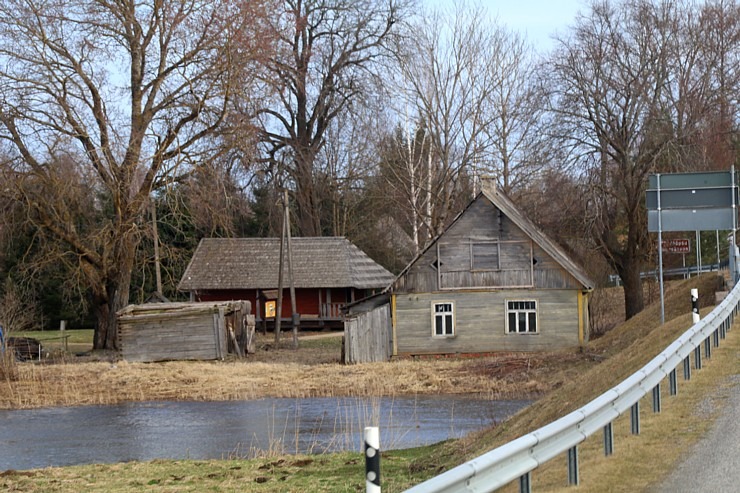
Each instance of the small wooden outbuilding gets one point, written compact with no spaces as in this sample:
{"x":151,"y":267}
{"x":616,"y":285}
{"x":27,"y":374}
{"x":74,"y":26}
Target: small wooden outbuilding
{"x":185,"y":331}
{"x":491,"y":282}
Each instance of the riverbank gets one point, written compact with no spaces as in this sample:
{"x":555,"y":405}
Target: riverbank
{"x":311,"y":371}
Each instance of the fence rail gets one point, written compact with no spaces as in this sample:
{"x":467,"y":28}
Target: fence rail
{"x":519,"y":457}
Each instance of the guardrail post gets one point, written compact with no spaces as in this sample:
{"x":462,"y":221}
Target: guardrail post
{"x":708,"y":347}
{"x":573,"y":466}
{"x":697,"y":357}
{"x":525,"y":483}
{"x":372,"y":459}
{"x":635,"y":418}
{"x":673,"y":382}
{"x":687,"y":368}
{"x":656,"y":398}
{"x":715,"y":338}
{"x":608,"y":440}
{"x":723,"y":329}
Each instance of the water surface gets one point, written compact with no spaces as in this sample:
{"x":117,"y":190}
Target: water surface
{"x":233,"y":429}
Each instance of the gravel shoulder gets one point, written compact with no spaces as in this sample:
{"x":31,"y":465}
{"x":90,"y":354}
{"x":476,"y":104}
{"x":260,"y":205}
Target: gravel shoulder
{"x":713,"y":464}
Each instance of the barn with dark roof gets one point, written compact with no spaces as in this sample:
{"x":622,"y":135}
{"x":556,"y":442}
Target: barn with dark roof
{"x":328,"y":273}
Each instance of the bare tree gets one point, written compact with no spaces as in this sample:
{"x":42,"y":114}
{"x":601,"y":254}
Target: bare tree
{"x":18,"y":308}
{"x":705,"y":84}
{"x":518,"y":110}
{"x":345,"y":163}
{"x":130,"y":93}
{"x":609,"y":76}
{"x":326,"y":51}
{"x":467,"y":108}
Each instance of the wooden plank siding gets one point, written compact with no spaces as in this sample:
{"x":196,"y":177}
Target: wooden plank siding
{"x":484,"y":249}
{"x":186,"y":337}
{"x":183,"y":331}
{"x":367,"y":336}
{"x":480,"y":324}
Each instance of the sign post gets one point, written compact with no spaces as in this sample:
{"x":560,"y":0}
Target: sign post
{"x":660,"y":255}
{"x":690,"y":202}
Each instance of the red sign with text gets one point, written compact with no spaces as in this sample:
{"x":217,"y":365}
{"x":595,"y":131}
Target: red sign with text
{"x":680,"y":245}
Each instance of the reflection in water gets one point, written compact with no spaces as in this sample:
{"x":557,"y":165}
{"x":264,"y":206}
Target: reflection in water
{"x":216,"y":430}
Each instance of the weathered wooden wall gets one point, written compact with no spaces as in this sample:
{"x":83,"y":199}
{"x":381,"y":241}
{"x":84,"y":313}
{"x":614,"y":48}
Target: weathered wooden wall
{"x":480,"y":324}
{"x":484,"y":249}
{"x":178,"y":331}
{"x":367,"y":336}
{"x":317,"y":306}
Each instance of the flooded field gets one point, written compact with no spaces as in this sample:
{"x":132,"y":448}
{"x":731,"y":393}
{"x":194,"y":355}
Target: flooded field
{"x":215,"y":430}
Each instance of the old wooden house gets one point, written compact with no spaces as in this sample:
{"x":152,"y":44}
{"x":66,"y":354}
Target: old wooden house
{"x":491,"y":282}
{"x":328,"y":273}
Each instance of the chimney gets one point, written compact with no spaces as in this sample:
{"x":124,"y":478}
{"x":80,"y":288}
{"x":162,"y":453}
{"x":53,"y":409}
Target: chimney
{"x":488,"y":183}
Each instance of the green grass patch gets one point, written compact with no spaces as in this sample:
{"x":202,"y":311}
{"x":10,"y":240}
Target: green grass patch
{"x":53,"y":341}
{"x":77,"y":336}
{"x":329,"y":473}
{"x":322,"y":343}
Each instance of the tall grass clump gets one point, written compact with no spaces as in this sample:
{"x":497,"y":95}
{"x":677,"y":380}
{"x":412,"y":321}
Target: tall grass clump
{"x":8,"y":365}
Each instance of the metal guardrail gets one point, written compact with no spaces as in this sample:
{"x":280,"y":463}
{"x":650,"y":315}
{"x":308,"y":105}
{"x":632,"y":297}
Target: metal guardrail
{"x":685,"y":272}
{"x":519,"y":457}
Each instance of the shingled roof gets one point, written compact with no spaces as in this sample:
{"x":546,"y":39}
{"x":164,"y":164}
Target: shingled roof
{"x":252,"y":263}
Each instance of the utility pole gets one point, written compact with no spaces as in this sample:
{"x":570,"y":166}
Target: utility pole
{"x":279,"y":307}
{"x":157,"y":268}
{"x":295,"y":317}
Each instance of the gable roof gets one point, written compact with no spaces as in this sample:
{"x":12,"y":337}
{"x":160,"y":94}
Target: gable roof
{"x":252,"y":263}
{"x":505,"y":205}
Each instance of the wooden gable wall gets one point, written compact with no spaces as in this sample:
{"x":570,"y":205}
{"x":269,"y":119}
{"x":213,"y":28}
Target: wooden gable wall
{"x":484,"y":249}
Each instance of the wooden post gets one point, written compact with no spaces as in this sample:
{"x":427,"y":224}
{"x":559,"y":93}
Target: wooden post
{"x":156,"y":249}
{"x":62,"y":327}
{"x":295,"y":317}
{"x":250,"y":327}
{"x":279,"y":307}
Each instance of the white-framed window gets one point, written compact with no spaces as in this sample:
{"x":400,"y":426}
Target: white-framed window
{"x":521,"y":317}
{"x":443,"y":319}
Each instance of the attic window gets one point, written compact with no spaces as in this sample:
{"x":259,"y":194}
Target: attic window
{"x":435,"y":265}
{"x":485,"y":255}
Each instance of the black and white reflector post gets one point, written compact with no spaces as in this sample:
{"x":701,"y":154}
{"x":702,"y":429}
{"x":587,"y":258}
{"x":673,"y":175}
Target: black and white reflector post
{"x":695,"y":305}
{"x":372,"y":459}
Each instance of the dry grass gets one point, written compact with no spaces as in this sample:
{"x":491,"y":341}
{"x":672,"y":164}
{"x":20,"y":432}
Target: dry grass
{"x":312,"y":371}
{"x":107,"y":383}
{"x":607,"y":304}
